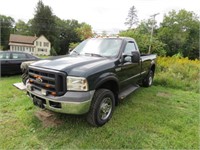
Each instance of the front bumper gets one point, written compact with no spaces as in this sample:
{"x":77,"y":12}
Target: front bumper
{"x":69,"y":103}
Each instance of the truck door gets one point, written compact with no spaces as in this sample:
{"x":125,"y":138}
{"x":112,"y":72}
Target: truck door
{"x":130,"y":72}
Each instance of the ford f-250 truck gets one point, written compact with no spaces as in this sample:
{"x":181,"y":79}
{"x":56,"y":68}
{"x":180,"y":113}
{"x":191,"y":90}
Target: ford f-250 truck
{"x":92,"y":79}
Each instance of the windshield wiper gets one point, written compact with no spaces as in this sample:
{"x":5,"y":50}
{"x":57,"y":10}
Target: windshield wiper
{"x":93,"y":54}
{"x":75,"y":52}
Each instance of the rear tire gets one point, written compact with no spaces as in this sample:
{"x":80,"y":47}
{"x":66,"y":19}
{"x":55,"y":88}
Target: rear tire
{"x":148,"y":80}
{"x":102,"y":108}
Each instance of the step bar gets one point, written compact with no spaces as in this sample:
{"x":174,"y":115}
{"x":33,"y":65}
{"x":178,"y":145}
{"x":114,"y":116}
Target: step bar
{"x":128,"y":90}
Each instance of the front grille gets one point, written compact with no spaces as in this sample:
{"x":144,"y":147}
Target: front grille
{"x":53,"y":82}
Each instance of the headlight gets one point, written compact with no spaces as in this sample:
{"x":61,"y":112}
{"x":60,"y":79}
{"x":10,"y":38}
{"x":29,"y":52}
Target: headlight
{"x":77,"y":83}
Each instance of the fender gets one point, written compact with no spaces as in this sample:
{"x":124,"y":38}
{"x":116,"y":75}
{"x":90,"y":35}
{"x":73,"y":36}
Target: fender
{"x":153,"y":65}
{"x":109,"y":76}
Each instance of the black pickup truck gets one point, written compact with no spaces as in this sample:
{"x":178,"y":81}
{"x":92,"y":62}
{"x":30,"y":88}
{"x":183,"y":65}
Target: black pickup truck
{"x":92,"y":79}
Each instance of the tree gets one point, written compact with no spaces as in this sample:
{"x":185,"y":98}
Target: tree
{"x":144,"y":27}
{"x":22,"y":28}
{"x":143,"y":42}
{"x":43,"y":22}
{"x":85,"y":31}
{"x":68,"y":34}
{"x":6,"y":27}
{"x":132,"y":18}
{"x":180,"y":32}
{"x":73,"y":45}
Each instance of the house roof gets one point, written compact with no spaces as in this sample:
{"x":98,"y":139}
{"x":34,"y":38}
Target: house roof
{"x":22,"y":39}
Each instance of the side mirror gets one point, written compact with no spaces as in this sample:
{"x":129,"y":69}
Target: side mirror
{"x":135,"y":56}
{"x":126,"y":58}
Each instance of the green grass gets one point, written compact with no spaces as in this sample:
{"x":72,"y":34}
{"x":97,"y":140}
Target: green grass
{"x":179,"y":73}
{"x":43,"y":56}
{"x":153,"y":118}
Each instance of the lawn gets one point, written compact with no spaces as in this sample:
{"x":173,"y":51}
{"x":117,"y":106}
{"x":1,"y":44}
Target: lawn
{"x":150,"y":118}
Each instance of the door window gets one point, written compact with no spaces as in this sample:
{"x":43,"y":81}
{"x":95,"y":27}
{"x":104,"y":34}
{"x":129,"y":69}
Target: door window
{"x":130,"y":46}
{"x":18,"y":56}
{"x":30,"y":56}
{"x":4,"y":55}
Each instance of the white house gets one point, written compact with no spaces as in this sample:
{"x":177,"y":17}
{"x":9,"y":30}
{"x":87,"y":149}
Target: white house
{"x":30,"y":44}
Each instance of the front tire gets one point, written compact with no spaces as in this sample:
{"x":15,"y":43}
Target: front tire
{"x":102,"y":107}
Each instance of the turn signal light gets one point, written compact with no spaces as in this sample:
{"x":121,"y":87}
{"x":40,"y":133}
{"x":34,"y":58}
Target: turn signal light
{"x":31,"y":81}
{"x":53,"y":93}
{"x":37,"y":76}
{"x":47,"y":85}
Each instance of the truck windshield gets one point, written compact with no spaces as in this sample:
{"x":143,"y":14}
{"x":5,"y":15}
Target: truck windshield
{"x":108,"y":47}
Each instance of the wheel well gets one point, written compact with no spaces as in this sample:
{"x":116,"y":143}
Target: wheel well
{"x":112,"y":86}
{"x":153,"y":67}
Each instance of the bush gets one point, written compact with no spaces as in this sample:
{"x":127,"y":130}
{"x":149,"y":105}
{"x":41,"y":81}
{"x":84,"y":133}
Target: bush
{"x":178,"y":72}
{"x":73,"y":45}
{"x":53,"y":52}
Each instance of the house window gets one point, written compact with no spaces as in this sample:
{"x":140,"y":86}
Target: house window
{"x":40,"y":50}
{"x":40,"y":43}
{"x":36,"y":43}
{"x":46,"y":44}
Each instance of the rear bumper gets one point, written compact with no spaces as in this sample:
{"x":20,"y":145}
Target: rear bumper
{"x":69,"y":103}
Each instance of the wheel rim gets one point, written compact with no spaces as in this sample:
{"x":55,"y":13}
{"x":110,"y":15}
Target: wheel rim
{"x":150,"y":80}
{"x":105,"y":108}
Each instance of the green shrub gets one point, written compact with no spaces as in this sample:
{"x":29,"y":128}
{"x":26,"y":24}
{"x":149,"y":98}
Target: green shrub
{"x":178,"y":72}
{"x":53,"y":52}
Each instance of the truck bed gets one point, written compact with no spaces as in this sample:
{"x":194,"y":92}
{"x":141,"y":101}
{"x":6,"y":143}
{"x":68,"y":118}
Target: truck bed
{"x":145,"y":57}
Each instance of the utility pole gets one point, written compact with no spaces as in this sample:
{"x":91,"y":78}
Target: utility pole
{"x":153,"y":21}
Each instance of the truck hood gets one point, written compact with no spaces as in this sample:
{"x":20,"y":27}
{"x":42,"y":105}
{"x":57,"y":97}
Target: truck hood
{"x":74,"y":65}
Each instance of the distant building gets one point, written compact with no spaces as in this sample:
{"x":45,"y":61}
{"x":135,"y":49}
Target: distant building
{"x":30,"y":44}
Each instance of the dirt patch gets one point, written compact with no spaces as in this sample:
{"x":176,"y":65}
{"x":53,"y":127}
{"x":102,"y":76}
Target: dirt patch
{"x":163,"y":94}
{"x":48,"y":118}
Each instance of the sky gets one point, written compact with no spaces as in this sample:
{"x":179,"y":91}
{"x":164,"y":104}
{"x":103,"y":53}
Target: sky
{"x":102,"y":15}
